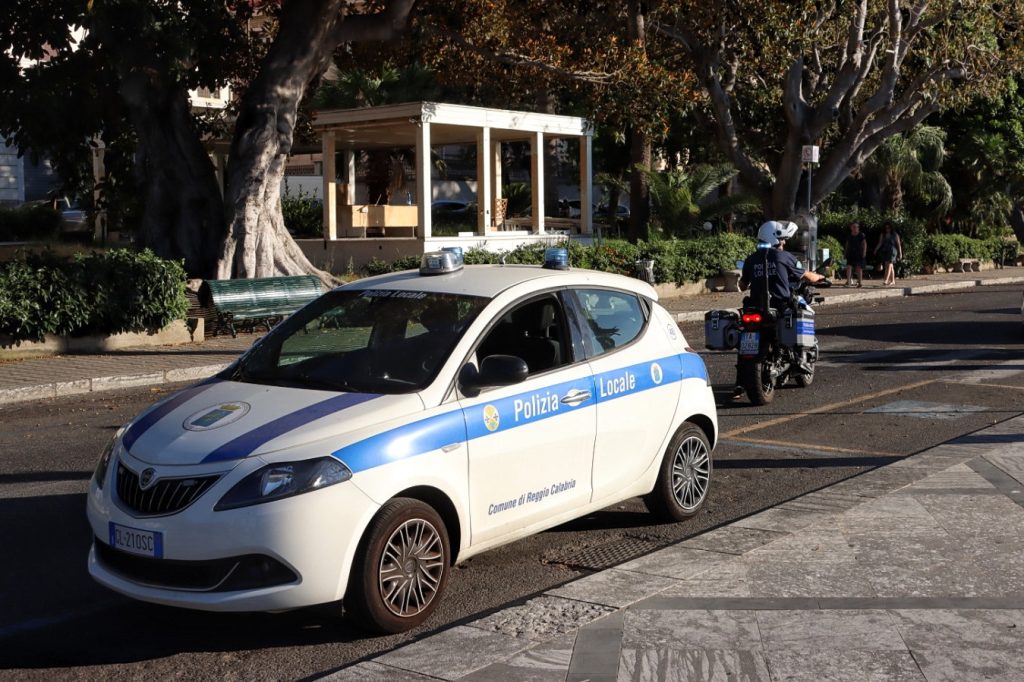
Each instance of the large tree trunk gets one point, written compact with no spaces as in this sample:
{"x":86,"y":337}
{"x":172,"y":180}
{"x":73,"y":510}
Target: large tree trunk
{"x":640,"y":144}
{"x":183,"y":216}
{"x":257,"y":245}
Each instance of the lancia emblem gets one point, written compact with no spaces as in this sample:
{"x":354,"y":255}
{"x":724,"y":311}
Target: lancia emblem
{"x":147,"y":478}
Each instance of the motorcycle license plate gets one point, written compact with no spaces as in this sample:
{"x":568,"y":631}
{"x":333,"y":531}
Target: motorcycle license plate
{"x":750,"y":343}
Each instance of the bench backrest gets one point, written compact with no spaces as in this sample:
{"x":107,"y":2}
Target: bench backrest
{"x":283,"y":294}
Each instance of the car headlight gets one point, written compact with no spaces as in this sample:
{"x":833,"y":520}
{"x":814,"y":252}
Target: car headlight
{"x":277,"y":481}
{"x":100,"y":475}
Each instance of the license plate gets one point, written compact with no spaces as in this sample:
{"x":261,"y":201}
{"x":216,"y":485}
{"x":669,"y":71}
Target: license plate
{"x":750,"y":343}
{"x":136,"y":541}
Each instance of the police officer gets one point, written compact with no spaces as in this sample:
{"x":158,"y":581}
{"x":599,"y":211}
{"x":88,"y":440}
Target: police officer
{"x":771,"y":272}
{"x":772,"y":268}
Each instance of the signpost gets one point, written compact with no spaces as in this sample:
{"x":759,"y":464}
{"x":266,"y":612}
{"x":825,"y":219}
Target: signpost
{"x":809,"y":155}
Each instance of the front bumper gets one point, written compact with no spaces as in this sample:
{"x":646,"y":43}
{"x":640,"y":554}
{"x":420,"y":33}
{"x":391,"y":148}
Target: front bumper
{"x":278,"y":555}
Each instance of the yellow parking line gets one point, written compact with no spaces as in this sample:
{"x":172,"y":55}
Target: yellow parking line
{"x":824,"y":408}
{"x":815,"y":446}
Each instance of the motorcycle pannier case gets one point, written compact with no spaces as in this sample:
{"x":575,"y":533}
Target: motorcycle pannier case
{"x":796,"y":328}
{"x":721,"y":329}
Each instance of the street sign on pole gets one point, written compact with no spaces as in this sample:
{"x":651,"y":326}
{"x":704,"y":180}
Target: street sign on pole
{"x":809,"y":153}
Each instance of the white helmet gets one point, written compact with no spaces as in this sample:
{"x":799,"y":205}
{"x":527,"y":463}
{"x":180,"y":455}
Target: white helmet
{"x":772,"y":231}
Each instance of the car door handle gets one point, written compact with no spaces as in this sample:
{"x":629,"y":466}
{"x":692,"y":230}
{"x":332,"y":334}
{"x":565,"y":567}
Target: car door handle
{"x":575,"y":397}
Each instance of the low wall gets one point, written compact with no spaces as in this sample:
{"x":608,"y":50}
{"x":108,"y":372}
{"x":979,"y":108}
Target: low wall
{"x":174,"y":334}
{"x":343,"y":255}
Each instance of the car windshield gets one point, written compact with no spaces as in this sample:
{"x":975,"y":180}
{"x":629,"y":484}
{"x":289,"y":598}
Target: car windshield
{"x":368,"y":341}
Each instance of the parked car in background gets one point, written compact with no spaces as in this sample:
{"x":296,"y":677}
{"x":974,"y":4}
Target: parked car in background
{"x":621,"y":212}
{"x":73,"y":217}
{"x":449,"y":207}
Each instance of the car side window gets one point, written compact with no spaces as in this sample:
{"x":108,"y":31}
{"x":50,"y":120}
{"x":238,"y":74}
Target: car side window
{"x":612,"y":319}
{"x":534,"y":331}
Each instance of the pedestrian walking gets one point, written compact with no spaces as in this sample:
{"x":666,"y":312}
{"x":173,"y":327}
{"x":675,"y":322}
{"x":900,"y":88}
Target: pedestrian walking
{"x":856,"y":254}
{"x":890,"y":250}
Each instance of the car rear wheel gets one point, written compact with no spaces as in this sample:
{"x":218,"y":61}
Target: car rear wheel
{"x":401,"y":568}
{"x":684,"y":478}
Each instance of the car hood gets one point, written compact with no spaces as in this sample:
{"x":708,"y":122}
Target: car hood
{"x":229,"y":420}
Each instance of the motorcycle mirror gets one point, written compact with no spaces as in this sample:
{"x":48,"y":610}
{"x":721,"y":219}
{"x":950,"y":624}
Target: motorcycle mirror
{"x":739,"y":265}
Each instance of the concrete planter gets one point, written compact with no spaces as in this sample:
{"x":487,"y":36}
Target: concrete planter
{"x":177,"y":333}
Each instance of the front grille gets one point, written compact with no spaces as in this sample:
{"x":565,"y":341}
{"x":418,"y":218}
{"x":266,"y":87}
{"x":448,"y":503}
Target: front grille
{"x":166,"y":496}
{"x":249,"y":572}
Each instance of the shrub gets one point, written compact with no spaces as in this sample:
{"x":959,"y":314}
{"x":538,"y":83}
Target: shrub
{"x":303,"y":214}
{"x":675,"y":260}
{"x":36,"y":221}
{"x":947,"y":249}
{"x":104,"y":293}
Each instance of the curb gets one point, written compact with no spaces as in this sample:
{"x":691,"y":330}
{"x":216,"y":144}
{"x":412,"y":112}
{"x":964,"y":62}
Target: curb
{"x":698,"y":315}
{"x":58,"y":389}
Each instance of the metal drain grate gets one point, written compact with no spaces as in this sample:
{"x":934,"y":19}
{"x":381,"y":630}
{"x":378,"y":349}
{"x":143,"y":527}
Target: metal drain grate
{"x":605,"y":555}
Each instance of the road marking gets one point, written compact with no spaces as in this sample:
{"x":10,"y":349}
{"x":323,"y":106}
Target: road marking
{"x":823,"y":448}
{"x":825,"y":408}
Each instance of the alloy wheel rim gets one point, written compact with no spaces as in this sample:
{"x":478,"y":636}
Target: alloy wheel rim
{"x":411,"y":568}
{"x":691,"y":473}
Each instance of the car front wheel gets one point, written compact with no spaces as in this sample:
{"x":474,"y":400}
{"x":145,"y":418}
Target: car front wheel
{"x":684,"y":478}
{"x":401,"y":568}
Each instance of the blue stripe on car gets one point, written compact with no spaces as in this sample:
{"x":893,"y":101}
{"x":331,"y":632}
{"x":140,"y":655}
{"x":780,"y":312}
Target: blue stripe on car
{"x":148,"y":420}
{"x":433,"y":433}
{"x":247,"y":443}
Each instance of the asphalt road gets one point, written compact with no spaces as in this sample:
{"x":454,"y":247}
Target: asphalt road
{"x":895,"y":377}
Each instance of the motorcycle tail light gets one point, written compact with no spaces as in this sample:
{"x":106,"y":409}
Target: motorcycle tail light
{"x":751,"y":318}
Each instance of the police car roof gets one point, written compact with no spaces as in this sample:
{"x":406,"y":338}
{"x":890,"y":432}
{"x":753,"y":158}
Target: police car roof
{"x":491,"y":280}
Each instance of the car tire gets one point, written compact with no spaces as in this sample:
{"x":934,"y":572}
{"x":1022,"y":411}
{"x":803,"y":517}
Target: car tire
{"x":684,"y":478}
{"x":400,"y":569}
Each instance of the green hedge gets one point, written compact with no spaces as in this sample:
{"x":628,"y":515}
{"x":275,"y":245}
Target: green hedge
{"x":102,"y":293}
{"x":675,"y":260}
{"x":29,"y":222}
{"x":946,"y":249}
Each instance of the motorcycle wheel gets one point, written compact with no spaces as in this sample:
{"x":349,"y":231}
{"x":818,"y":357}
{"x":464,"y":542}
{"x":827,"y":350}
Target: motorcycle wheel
{"x":755,"y":377}
{"x":805,"y":380}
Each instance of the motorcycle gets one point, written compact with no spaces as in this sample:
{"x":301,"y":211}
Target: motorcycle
{"x":774,"y":345}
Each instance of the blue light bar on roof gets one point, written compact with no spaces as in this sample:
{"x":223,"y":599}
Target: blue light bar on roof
{"x":556,"y":258}
{"x":440,"y":262}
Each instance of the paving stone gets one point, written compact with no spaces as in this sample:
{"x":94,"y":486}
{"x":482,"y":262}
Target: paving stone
{"x":691,"y":629}
{"x":732,"y":539}
{"x":454,"y":653}
{"x":958,"y":664}
{"x":542,"y":618}
{"x":658,"y":664}
{"x":808,"y":579}
{"x":681,"y":563}
{"x":375,"y":672}
{"x":548,"y":662}
{"x":938,"y":629}
{"x":828,"y":630}
{"x":612,"y":587}
{"x":839,"y":665}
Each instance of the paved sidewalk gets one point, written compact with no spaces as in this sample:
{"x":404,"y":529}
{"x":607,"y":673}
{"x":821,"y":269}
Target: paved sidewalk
{"x":50,"y":377}
{"x":914,"y":571}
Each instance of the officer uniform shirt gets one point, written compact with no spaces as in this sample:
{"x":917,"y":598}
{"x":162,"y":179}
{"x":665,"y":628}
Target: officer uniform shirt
{"x":783,"y":269}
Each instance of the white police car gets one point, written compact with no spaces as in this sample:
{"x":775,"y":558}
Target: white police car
{"x":395,"y":426}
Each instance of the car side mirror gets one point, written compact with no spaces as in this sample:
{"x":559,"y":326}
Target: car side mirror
{"x":495,"y":370}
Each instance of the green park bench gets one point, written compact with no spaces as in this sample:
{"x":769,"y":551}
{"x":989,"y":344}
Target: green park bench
{"x":251,"y":303}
